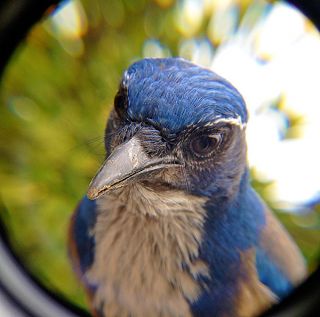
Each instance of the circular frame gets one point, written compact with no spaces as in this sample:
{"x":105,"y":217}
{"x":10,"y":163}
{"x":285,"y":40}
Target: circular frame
{"x":22,"y":294}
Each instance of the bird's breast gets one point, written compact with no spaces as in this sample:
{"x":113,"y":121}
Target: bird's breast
{"x":147,"y":253}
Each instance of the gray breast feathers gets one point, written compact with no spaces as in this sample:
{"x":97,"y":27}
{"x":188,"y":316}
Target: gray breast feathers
{"x":147,"y":246}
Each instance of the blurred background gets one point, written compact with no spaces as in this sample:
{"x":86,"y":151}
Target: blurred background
{"x":59,"y":88}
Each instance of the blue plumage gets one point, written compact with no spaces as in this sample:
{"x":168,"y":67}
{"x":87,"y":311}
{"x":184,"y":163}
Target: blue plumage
{"x":85,"y":220}
{"x":81,"y":241}
{"x":228,"y":233}
{"x":173,"y":227}
{"x":271,"y":275}
{"x":173,"y":94}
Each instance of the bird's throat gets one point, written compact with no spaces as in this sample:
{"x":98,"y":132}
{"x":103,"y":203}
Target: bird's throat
{"x":147,"y":247}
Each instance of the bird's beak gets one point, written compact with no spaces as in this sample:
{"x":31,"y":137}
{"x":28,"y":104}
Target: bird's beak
{"x":127,"y":161}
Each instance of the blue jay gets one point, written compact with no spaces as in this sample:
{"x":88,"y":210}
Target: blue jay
{"x":170,"y":225}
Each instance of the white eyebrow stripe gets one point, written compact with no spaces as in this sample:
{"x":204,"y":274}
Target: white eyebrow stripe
{"x":231,"y":120}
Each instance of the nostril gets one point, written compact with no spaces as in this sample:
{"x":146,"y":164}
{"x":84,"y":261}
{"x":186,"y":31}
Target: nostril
{"x":130,"y":130}
{"x":123,"y":134}
{"x":153,"y":143}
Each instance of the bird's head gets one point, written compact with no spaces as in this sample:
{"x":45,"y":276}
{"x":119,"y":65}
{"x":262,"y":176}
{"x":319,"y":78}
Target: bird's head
{"x":174,"y":125}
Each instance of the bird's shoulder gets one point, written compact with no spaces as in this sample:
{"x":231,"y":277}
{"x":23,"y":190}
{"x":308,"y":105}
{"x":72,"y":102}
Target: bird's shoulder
{"x":81,"y":241}
{"x":280,"y":264}
{"x":253,"y":296}
{"x":272,"y":267}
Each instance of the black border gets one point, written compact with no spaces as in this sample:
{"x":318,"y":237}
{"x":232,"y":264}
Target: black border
{"x":16,"y":19}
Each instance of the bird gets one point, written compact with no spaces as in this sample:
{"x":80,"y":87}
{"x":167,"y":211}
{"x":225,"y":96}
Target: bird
{"x":170,"y":225}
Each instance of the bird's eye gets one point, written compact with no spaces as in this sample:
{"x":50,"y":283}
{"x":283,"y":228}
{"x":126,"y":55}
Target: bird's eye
{"x":203,"y":145}
{"x":121,"y":103}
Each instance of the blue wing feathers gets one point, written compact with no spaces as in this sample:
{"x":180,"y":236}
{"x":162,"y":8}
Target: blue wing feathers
{"x":82,"y":239}
{"x":271,"y":276}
